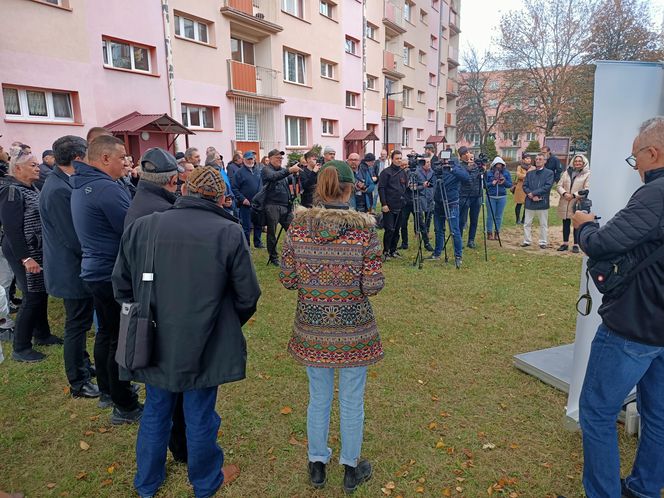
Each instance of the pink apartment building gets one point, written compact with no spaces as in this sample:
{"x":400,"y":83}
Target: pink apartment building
{"x":236,"y":74}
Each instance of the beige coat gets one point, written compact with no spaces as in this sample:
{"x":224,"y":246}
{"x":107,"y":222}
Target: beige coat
{"x":519,"y":194}
{"x":565,"y":185}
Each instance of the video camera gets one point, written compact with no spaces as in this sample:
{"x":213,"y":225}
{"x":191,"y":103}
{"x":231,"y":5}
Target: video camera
{"x":415,"y":160}
{"x":482,"y":159}
{"x":582,"y":202}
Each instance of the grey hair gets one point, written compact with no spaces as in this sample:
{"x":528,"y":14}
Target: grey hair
{"x":190,"y":152}
{"x":651,"y":132}
{"x":160,"y":179}
{"x":211,"y":158}
{"x":17,"y":155}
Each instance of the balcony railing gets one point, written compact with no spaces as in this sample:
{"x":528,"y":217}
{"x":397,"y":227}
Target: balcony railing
{"x":453,"y":57}
{"x":253,"y":80}
{"x":394,"y":108}
{"x":452,"y":88}
{"x":258,"y":14}
{"x":393,"y":17}
{"x":392,"y":64}
{"x":454,"y":22}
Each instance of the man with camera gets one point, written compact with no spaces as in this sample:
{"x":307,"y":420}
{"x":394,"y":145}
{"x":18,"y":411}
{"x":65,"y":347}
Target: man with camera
{"x":628,"y":348}
{"x":278,"y":199}
{"x":425,"y":179}
{"x":364,"y":186}
{"x":391,"y":190}
{"x":309,"y":178}
{"x":470,"y":194}
{"x":449,"y":178}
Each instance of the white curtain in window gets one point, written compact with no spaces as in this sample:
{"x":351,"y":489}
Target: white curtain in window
{"x":121,"y":55}
{"x":37,"y":103}
{"x":61,"y":105}
{"x":12,"y":105}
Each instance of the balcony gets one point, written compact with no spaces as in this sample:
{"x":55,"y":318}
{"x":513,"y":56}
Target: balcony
{"x":450,"y":119}
{"x":256,"y":16}
{"x":454,"y":22}
{"x":394,"y":109}
{"x":392,"y":64}
{"x":393,"y":18}
{"x":453,"y":57}
{"x":256,"y":82}
{"x":452,"y":89}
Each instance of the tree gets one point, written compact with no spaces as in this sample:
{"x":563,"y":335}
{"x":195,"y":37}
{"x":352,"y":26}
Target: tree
{"x":621,"y":30}
{"x":483,"y":98}
{"x":577,"y":121}
{"x":545,"y":40}
{"x":490,"y":149}
{"x":533,"y":146}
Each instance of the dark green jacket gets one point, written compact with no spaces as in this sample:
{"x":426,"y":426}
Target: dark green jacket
{"x":205,"y":288}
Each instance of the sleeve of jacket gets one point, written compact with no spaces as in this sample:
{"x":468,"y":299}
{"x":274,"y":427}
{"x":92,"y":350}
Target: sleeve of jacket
{"x":560,"y":189}
{"x":244,"y":282}
{"x":461,"y":173}
{"x":236,"y":185}
{"x":372,"y":280}
{"x":371,"y":186}
{"x":520,"y":173}
{"x":114,"y":202}
{"x":60,"y":209}
{"x":11,"y":216}
{"x":270,"y":175}
{"x":508,"y":179}
{"x":636,"y":223}
{"x":123,"y":289}
{"x":288,"y":275}
{"x":526,"y":183}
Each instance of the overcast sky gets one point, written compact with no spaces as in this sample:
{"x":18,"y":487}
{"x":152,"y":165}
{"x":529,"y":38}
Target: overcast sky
{"x":480,"y":19}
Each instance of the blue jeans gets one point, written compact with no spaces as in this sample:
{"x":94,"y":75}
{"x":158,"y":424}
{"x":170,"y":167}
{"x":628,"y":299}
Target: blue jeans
{"x":245,"y":221}
{"x":205,"y":457}
{"x":497,"y":205}
{"x":615,"y":366}
{"x":439,"y":228}
{"x":351,"y":412}
{"x":472,"y":206}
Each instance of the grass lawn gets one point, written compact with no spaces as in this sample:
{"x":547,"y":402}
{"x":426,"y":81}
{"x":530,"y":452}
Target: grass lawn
{"x":446,"y":412}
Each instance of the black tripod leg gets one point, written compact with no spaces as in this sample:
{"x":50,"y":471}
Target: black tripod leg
{"x":486,"y":253}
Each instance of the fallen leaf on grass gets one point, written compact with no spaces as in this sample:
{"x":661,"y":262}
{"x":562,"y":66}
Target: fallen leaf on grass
{"x":432,"y":426}
{"x":66,"y":390}
{"x":434,"y":398}
{"x":83,"y":445}
{"x":514,"y":446}
{"x":514,"y":494}
{"x":72,"y":416}
{"x":446,"y":492}
{"x":419,"y":489}
{"x":286,"y":410}
{"x":50,"y":485}
{"x":64,"y":493}
{"x":488,"y":446}
{"x":388,"y":488}
{"x":546,"y":465}
{"x":103,"y":430}
{"x":88,"y":433}
{"x":440,"y":444}
{"x":541,"y":315}
{"x":459,"y":489}
{"x":81,"y":475}
{"x":94,"y":417}
{"x":111,"y":469}
{"x":468,"y":453}
{"x":444,"y":414}
{"x":373,"y":374}
{"x":107,"y":482}
{"x":420,"y":381}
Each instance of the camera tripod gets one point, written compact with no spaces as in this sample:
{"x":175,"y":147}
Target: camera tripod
{"x":417,"y":211}
{"x":485,"y":196}
{"x":440,"y":185}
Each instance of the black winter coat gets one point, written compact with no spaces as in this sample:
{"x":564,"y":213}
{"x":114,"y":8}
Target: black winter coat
{"x":392,"y":183}
{"x":150,"y":198}
{"x":637,"y":230}
{"x":539,"y":183}
{"x":62,"y":250}
{"x":473,"y":186}
{"x":199,"y":301}
{"x":308,"y":182}
{"x":246,"y":183}
{"x":276,"y":182}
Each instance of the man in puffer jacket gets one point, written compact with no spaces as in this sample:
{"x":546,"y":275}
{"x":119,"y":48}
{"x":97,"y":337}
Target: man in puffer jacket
{"x":628,"y":348}
{"x":537,"y":187}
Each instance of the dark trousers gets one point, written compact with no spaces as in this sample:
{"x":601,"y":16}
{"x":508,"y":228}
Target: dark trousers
{"x":106,"y":343}
{"x":567,"y":225}
{"x":78,"y":320}
{"x":517,"y":211}
{"x":469,"y":206}
{"x":425,"y":225}
{"x":178,"y":440}
{"x":276,"y":214}
{"x":390,"y":224}
{"x":403,"y":224}
{"x":245,"y":220}
{"x":32,"y":317}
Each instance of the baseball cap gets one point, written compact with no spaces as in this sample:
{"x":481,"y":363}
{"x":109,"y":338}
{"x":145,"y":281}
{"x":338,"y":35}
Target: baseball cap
{"x":249,"y":155}
{"x":329,"y":150}
{"x":343,"y":170}
{"x":369,"y":157}
{"x":462,"y":150}
{"x":157,"y":160}
{"x":275,"y":152}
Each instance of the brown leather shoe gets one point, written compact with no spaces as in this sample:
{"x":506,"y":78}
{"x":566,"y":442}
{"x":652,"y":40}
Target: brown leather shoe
{"x":231,"y":472}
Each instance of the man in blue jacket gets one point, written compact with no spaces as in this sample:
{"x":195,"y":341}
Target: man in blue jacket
{"x":364,"y":186}
{"x":537,"y":187}
{"x":628,"y":348}
{"x":470,"y":194}
{"x":246,"y":183}
{"x":448,"y":181}
{"x":98,"y":207}
{"x":62,"y":263}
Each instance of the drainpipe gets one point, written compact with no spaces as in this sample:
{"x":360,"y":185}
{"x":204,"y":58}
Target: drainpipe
{"x":440,"y":51}
{"x":168,"y":48}
{"x":364,"y":64}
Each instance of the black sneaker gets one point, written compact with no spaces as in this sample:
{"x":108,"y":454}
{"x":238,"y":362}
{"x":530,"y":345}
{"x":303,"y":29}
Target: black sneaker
{"x":51,"y":340}
{"x":87,"y":390}
{"x":120,"y":417}
{"x":434,"y":257}
{"x":563,"y":247}
{"x":354,"y":476}
{"x":105,"y":401}
{"x":273,"y":262}
{"x":403,"y":246}
{"x":575,"y":249}
{"x":317,"y":476}
{"x":427,"y":247}
{"x":471,"y":244}
{"x":28,"y":356}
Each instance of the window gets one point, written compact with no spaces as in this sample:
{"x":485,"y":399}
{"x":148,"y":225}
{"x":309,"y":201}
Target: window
{"x":424,"y":17}
{"x":407,"y":11}
{"x":328,"y":126}
{"x":431,"y":115}
{"x":293,"y":7}
{"x":494,"y":85}
{"x":197,"y":116}
{"x":39,"y":105}
{"x":512,"y":137}
{"x":422,"y":57}
{"x":352,"y":99}
{"x":351,"y":45}
{"x":121,"y":55}
{"x":371,"y":31}
{"x":474,"y":139}
{"x":491,"y":119}
{"x":242,"y":51}
{"x":405,"y":137}
{"x":327,"y":8}
{"x":246,"y":127}
{"x":327,"y":69}
{"x":493,"y":104}
{"x":296,"y":132}
{"x":294,"y":67}
{"x":406,"y":54}
{"x":434,"y":42}
{"x":432,"y":79}
{"x":420,"y":134}
{"x":191,"y":29}
{"x":407,"y":96}
{"x":530,"y":136}
{"x":420,"y":96}
{"x":372,"y":82}
{"x":391,"y":86}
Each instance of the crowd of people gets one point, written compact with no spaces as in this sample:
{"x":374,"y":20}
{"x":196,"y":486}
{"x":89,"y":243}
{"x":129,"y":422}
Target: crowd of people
{"x":88,"y":226}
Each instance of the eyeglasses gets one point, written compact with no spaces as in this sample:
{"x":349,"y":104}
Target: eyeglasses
{"x":631,"y":160}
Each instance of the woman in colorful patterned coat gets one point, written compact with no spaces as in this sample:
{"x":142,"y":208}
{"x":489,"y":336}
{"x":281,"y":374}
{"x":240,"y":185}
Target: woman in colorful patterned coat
{"x":332,"y":257}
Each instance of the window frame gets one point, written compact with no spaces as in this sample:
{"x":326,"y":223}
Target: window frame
{"x":371,"y":28}
{"x":246,"y":136}
{"x":178,"y":28}
{"x":407,"y":54}
{"x":201,"y":114}
{"x":423,"y":96}
{"x":332,"y":123}
{"x":107,"y":56}
{"x":354,"y":42}
{"x":302,"y":128}
{"x":333,"y":68}
{"x":405,"y":137}
{"x":407,"y":97}
{"x":297,"y":55}
{"x":24,"y":106}
{"x":431,"y":115}
{"x":297,"y":5}
{"x":331,"y":9}
{"x":354,"y":99}
{"x":374,"y":79}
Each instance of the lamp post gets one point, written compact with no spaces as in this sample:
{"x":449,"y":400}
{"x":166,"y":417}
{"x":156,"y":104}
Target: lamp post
{"x":387,"y":115}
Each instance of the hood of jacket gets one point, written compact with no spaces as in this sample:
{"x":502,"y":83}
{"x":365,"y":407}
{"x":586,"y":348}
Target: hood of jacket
{"x":327,"y":225}
{"x":86,"y":174}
